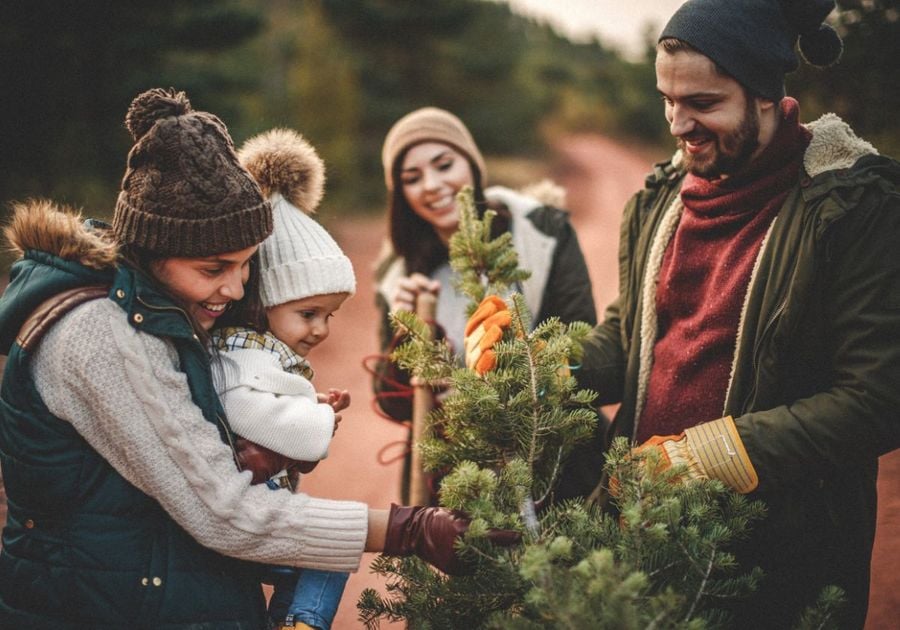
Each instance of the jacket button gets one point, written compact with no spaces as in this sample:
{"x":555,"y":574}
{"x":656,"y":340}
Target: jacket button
{"x":120,"y":293}
{"x":138,"y":318}
{"x":157,"y":581}
{"x":145,"y":581}
{"x":29,"y":524}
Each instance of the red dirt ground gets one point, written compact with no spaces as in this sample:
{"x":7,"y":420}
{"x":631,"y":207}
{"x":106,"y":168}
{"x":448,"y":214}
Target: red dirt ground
{"x":599,"y":176}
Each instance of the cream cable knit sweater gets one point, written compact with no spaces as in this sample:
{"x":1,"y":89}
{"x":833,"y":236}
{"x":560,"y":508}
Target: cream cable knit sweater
{"x":123,"y":393}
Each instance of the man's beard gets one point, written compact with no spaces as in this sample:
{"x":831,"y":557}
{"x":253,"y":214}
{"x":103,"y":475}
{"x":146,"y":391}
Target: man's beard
{"x":731,"y":152}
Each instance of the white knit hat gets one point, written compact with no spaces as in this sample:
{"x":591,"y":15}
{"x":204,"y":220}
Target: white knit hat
{"x":300,"y":259}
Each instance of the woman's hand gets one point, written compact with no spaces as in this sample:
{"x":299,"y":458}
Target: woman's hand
{"x":259,"y":460}
{"x":431,"y":534}
{"x":404,"y":297}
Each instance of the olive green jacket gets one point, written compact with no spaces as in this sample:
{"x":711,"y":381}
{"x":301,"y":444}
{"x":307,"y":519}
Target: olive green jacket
{"x":815,"y":385}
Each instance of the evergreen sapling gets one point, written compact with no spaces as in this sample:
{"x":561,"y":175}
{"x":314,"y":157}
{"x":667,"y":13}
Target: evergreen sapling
{"x":658,"y":556}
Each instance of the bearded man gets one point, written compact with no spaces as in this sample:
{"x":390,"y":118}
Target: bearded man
{"x":756,"y":336}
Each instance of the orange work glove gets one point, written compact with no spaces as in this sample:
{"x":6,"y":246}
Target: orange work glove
{"x":712,"y":450}
{"x":483,"y":330}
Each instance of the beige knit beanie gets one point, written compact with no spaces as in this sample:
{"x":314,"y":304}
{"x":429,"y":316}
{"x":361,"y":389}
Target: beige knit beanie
{"x":300,"y":259}
{"x":184,"y":192}
{"x":429,"y":124}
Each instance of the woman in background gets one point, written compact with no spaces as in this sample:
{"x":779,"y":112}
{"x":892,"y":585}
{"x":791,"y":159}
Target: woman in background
{"x":428,"y":156}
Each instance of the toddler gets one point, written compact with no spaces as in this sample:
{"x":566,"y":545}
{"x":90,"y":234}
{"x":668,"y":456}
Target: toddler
{"x":264,"y":378}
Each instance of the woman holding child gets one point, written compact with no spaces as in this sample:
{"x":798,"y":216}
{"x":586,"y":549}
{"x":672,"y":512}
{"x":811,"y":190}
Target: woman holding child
{"x":127,"y":507}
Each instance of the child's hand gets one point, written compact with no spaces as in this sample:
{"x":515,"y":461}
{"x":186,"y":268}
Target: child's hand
{"x":339,"y":399}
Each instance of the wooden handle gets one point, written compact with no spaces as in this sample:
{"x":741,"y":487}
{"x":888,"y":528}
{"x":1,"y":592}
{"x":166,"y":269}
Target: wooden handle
{"x":423,"y":403}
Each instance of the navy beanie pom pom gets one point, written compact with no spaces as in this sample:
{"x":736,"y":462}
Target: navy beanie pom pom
{"x":822,"y":47}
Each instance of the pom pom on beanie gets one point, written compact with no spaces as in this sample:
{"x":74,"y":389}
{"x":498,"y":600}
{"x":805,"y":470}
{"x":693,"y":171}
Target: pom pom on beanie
{"x":300,"y":259}
{"x":822,"y":47}
{"x":282,"y":161}
{"x":154,"y":105}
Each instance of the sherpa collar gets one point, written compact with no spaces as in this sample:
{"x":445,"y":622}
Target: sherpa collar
{"x":833,"y":146}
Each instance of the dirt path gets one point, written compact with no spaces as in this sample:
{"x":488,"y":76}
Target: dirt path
{"x":599,"y":176}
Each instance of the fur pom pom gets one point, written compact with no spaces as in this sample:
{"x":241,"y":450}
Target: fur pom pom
{"x":153,"y":105}
{"x":281,"y":160}
{"x":822,"y":47}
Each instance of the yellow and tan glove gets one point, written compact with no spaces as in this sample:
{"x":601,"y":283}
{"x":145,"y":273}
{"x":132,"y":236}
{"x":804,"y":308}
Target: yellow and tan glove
{"x":483,"y":330}
{"x":712,"y":450}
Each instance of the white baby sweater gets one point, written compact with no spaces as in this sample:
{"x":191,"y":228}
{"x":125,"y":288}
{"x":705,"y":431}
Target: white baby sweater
{"x":271,"y":407}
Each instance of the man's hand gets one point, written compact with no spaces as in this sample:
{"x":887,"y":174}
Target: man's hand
{"x":483,"y":330}
{"x":711,"y":450}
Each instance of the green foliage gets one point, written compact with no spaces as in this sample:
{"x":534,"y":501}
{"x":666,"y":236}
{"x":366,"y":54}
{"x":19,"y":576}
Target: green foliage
{"x":483,"y":266}
{"x":660,"y":559}
{"x":822,"y":615}
{"x":73,"y":68}
{"x":663,"y":562}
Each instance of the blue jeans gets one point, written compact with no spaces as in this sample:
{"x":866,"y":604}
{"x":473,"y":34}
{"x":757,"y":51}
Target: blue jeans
{"x":306,"y":595}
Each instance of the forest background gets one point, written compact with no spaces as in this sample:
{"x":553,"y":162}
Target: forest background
{"x":342,"y":71}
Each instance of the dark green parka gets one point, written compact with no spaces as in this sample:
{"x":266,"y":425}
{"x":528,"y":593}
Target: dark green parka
{"x":815,"y":389}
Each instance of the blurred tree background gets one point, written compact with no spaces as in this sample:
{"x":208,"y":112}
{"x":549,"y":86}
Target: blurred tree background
{"x":342,"y":71}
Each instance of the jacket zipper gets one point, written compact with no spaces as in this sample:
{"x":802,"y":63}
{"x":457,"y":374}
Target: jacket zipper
{"x":771,"y":321}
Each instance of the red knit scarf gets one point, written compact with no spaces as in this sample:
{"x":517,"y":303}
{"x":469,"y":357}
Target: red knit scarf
{"x":704,"y":277}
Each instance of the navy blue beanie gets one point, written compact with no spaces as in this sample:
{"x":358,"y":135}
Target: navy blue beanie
{"x":753,"y":40}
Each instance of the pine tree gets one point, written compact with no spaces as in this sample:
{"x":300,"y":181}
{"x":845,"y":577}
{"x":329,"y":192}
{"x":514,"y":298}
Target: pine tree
{"x":660,"y":558}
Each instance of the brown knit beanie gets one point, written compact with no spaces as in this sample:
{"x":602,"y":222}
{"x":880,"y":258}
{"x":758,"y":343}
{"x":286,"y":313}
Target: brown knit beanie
{"x":184,"y":192}
{"x":429,"y":124}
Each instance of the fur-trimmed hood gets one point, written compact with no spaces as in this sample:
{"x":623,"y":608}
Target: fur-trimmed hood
{"x":43,"y":226}
{"x":57,"y":253}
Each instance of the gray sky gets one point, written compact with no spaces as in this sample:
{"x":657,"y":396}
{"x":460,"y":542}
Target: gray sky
{"x":618,"y":23}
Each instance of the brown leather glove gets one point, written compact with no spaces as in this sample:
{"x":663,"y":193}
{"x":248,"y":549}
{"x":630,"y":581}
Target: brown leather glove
{"x":430,"y":533}
{"x":296,"y":466}
{"x":259,"y":460}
